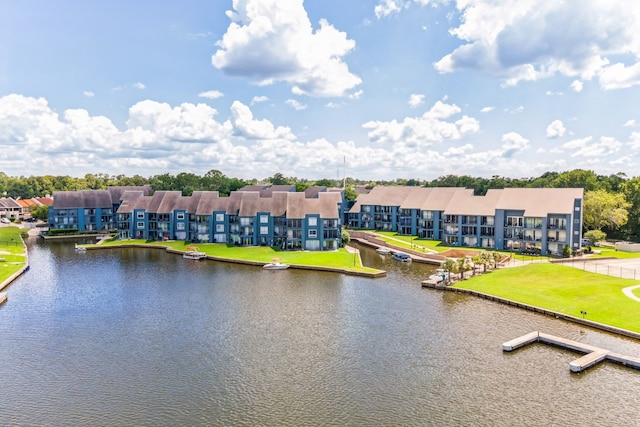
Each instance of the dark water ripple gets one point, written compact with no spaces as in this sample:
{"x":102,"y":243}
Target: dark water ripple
{"x":134,"y":337}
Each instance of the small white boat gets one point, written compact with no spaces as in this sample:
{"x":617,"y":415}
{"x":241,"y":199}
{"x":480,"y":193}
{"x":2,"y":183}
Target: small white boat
{"x":440,"y":275}
{"x":383,"y":251}
{"x":275,"y":265}
{"x":194,"y":255}
{"x":401,"y":256}
{"x":79,"y":249}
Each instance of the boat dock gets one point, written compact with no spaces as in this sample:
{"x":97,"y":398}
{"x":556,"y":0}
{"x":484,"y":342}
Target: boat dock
{"x":3,"y":297}
{"x":592,"y":354}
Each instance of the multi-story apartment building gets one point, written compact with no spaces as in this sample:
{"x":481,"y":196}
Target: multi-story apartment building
{"x":249,"y":217}
{"x":88,"y":210}
{"x":541,"y":219}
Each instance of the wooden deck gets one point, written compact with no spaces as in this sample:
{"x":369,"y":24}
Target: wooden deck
{"x":592,"y":354}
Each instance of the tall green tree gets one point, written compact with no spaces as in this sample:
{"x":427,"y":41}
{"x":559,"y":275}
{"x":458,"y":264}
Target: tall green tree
{"x":578,"y":178}
{"x":604,"y":210}
{"x":631,"y":190}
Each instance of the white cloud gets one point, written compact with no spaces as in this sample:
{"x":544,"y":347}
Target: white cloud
{"x":634,"y":141}
{"x":273,"y":40}
{"x":432,"y":127}
{"x":556,"y":129}
{"x":586,"y":148}
{"x":295,"y":104}
{"x":159,"y":137}
{"x":416,"y":99}
{"x":88,"y":94}
{"x":630,"y":123}
{"x":486,"y":109}
{"x":257,"y":99}
{"x":516,"y":110}
{"x":139,"y":85}
{"x":211,"y":94}
{"x":388,"y":7}
{"x":248,"y":127}
{"x":356,"y":95}
{"x":577,"y":86}
{"x":525,"y":40}
{"x":513,"y":143}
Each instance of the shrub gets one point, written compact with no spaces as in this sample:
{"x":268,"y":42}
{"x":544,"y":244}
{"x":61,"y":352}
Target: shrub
{"x":62,"y":231}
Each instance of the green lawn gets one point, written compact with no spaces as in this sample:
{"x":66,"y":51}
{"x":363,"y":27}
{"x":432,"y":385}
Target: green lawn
{"x":12,"y":251}
{"x":399,"y":240}
{"x":334,"y":259}
{"x":565,"y":290}
{"x":610,"y":251}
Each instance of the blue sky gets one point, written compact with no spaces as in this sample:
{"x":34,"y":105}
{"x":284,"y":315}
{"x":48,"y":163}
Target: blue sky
{"x":389,"y":88}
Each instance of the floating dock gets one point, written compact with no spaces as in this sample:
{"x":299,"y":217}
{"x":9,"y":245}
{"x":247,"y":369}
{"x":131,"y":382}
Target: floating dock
{"x":592,"y":354}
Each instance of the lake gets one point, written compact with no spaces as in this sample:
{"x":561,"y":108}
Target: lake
{"x":142,"y":337}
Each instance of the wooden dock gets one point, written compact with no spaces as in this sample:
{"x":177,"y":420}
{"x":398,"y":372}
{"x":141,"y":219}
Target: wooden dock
{"x":3,"y":297}
{"x":592,"y":354}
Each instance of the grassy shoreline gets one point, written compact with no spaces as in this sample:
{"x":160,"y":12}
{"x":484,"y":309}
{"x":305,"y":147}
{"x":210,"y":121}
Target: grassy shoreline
{"x":565,"y":290}
{"x":13,"y":255}
{"x":336,"y":261}
{"x":556,"y":288}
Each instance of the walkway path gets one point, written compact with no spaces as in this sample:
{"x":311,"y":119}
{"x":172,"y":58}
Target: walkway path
{"x":629,"y":292}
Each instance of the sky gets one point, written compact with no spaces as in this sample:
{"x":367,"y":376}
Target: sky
{"x":370,"y":89}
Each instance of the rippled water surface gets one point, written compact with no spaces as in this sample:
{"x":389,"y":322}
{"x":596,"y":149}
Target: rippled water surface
{"x":141,"y":337}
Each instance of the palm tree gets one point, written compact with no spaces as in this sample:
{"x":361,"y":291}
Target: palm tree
{"x":465,"y":264}
{"x":485,"y":259}
{"x":496,"y":257}
{"x":450,"y":266}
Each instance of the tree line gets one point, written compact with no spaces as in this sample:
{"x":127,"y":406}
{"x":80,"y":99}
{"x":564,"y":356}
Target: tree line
{"x":611,"y":202}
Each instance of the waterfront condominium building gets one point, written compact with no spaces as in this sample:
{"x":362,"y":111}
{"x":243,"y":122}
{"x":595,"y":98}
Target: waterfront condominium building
{"x":536,"y":219}
{"x":267,"y":216}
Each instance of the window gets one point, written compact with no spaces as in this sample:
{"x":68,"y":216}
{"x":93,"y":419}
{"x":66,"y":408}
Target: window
{"x":180,"y":216}
{"x":180,"y":226}
{"x":140,"y":224}
{"x":313,"y":234}
{"x":577,"y":208}
{"x":312,"y":221}
{"x":219,"y":228}
{"x":264,"y":219}
{"x":245,"y":221}
{"x":140,"y":215}
{"x":264,"y":230}
{"x":220,"y":217}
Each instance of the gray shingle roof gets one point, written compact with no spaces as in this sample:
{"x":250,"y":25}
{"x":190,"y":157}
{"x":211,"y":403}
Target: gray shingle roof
{"x":535,"y":202}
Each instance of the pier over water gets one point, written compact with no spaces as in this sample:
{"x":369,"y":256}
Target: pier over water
{"x":592,"y":355}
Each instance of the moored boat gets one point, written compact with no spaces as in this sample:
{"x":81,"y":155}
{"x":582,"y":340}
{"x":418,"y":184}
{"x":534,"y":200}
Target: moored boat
{"x":193,"y":253}
{"x":275,"y":265}
{"x":401,"y":256}
{"x":383,"y":251}
{"x":440,"y":275}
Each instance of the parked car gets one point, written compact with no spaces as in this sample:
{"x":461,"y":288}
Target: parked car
{"x":5,"y":220}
